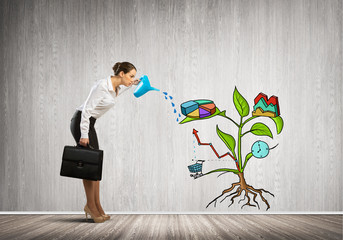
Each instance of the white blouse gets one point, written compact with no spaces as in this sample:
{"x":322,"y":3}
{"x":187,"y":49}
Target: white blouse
{"x":100,"y":99}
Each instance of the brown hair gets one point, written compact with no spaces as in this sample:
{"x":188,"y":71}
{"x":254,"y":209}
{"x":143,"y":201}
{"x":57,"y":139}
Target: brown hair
{"x":123,"y":66}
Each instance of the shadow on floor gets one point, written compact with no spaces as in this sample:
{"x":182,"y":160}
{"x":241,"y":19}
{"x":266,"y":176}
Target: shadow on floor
{"x":67,"y":219}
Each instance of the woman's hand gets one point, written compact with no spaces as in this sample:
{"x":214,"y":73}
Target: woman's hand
{"x":136,"y":81}
{"x":84,"y":142}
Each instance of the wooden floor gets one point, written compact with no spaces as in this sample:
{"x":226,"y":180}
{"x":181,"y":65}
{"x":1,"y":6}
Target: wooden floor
{"x":172,"y":227}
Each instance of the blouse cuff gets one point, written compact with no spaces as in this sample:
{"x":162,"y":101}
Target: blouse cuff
{"x":84,"y":135}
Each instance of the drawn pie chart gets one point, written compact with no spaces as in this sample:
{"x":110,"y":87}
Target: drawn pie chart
{"x":198,"y":108}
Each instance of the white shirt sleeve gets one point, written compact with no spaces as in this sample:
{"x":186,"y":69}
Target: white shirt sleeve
{"x":92,"y":101}
{"x":97,"y":103}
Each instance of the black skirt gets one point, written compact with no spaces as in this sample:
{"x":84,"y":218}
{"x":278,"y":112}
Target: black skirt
{"x":76,"y":131}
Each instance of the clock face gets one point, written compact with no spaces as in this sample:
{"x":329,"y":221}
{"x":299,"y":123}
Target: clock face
{"x":260,"y":149}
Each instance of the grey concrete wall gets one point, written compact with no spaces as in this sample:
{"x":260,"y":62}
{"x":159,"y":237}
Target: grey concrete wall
{"x":53,"y":51}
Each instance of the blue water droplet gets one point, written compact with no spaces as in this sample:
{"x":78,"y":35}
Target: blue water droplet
{"x":179,"y":115}
{"x":170,"y":97}
{"x":166,"y":98}
{"x":174,"y":110}
{"x":165,"y":93}
{"x":177,"y":120}
{"x":173,"y":105}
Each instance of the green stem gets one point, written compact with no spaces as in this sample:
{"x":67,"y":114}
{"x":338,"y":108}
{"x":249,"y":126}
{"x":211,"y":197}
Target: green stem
{"x":245,"y":163}
{"x":239,"y":142}
{"x":247,"y":157}
{"x":245,"y":133}
{"x":251,"y":118}
{"x":239,"y":145}
{"x":230,"y":120}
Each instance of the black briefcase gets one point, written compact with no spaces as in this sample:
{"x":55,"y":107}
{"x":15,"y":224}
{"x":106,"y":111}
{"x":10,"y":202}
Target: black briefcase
{"x":82,"y":162}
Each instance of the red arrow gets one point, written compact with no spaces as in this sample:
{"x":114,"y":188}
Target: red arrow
{"x":195,"y":132}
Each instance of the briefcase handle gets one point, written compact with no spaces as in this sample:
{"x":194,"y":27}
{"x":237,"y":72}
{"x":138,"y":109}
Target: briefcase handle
{"x":88,"y":145}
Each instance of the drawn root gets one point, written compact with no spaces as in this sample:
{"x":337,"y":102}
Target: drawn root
{"x":248,"y":190}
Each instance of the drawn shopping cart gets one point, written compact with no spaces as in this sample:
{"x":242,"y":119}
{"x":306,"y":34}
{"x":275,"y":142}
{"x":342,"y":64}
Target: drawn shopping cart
{"x":196,"y":169}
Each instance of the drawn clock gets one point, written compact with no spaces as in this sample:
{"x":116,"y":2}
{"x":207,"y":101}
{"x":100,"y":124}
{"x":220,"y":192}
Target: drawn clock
{"x":260,"y":149}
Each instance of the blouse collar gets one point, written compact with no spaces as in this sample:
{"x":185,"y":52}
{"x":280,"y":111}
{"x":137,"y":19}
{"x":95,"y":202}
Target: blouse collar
{"x":110,"y":86}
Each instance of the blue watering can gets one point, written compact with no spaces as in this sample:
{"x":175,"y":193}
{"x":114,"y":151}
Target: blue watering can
{"x":143,"y":87}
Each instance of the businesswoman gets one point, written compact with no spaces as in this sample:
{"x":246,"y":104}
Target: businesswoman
{"x":100,"y":99}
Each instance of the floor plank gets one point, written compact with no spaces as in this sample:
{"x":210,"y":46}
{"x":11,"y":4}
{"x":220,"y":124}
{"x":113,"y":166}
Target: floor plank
{"x":164,"y":226}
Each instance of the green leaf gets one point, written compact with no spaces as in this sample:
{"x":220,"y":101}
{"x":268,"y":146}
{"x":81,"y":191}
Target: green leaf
{"x":247,"y":157}
{"x":261,"y":129}
{"x":279,"y":123}
{"x":228,"y":140}
{"x":223,"y":170}
{"x":188,"y":119}
{"x":241,"y":104}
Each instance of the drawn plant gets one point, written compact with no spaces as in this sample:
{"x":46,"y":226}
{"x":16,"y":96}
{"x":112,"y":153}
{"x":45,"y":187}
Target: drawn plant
{"x":259,"y":129}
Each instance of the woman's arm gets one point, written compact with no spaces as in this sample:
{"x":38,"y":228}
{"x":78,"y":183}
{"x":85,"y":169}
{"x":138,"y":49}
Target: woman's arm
{"x":124,"y":89}
{"x":93,"y":99}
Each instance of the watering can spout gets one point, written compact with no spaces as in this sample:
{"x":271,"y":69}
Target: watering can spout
{"x":143,"y":87}
{"x":155,"y":89}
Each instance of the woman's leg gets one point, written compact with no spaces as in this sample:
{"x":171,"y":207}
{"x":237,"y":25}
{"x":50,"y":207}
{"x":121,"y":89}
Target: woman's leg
{"x":93,"y":141}
{"x":97,"y":197}
{"x":88,"y":184}
{"x":90,"y":187}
